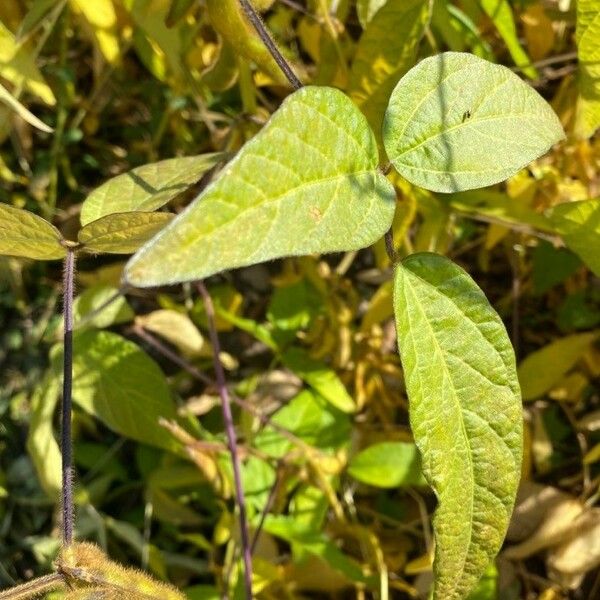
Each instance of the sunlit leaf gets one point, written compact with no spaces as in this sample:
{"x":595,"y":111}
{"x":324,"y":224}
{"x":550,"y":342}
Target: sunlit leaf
{"x":457,"y":122}
{"x":465,"y":413}
{"x":588,"y":52}
{"x":26,"y":235}
{"x":177,"y":328}
{"x":22,"y":111}
{"x":366,"y":10}
{"x":378,"y":66}
{"x":291,"y":190}
{"x":114,"y":380}
{"x":122,"y":233}
{"x":38,"y":11}
{"x":388,"y":465}
{"x":544,"y":368}
{"x":101,"y":17}
{"x":146,"y":188}
{"x":579,"y":225}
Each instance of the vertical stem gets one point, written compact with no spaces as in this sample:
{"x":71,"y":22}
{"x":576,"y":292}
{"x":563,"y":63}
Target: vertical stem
{"x":267,"y":40}
{"x":66,"y":448}
{"x":231,"y":438}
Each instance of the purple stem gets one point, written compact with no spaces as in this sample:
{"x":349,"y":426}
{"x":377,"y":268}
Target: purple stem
{"x":66,"y":442}
{"x":231,"y":437}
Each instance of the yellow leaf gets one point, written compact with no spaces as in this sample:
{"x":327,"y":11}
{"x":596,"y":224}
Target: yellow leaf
{"x":102,"y":18}
{"x":177,"y":328}
{"x":539,"y":33}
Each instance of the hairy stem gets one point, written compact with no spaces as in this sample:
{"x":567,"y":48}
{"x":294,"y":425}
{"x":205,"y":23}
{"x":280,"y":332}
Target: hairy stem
{"x":231,"y":438}
{"x":267,"y":40}
{"x":34,"y":588}
{"x":66,"y":442}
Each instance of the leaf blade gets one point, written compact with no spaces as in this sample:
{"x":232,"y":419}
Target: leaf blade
{"x":457,"y":122}
{"x":291,"y":190}
{"x":465,"y":413}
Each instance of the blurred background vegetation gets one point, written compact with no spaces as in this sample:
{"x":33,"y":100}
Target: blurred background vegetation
{"x":332,"y":477}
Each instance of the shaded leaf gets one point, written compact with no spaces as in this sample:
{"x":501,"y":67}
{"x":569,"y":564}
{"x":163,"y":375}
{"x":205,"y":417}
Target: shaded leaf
{"x":26,"y":235}
{"x":367,"y":9}
{"x":115,"y":381}
{"x":95,"y":299}
{"x":579,"y":225}
{"x":465,"y":413}
{"x":291,"y":190}
{"x":122,"y":233}
{"x":543,"y":369}
{"x":146,"y":188}
{"x":101,"y":17}
{"x":388,"y":465}
{"x":457,"y":122}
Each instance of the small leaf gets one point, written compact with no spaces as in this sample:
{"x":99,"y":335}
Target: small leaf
{"x":291,"y":190}
{"x":544,"y":368}
{"x":588,"y":53}
{"x":388,"y":465}
{"x":26,"y":235}
{"x":465,"y":413}
{"x":320,"y":377}
{"x":177,"y":328}
{"x":579,"y":225}
{"x":378,"y":66}
{"x":101,"y":19}
{"x":122,"y":233}
{"x":146,"y":188}
{"x":115,"y":381}
{"x":457,"y":122}
{"x":22,"y":111}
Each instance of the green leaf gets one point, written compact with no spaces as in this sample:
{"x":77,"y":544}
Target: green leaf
{"x":95,"y":299}
{"x":115,"y":381}
{"x":26,"y":235}
{"x":35,"y":16}
{"x":367,"y":9}
{"x":291,"y":190}
{"x":544,"y":368}
{"x":146,"y":188}
{"x":122,"y":233}
{"x":388,"y":465}
{"x":378,"y":66}
{"x":320,"y":377}
{"x":457,"y":122}
{"x":41,"y":444}
{"x":178,"y":329}
{"x":501,"y":15}
{"x":588,"y":53}
{"x":579,"y":225}
{"x":22,"y":111}
{"x":465,"y":413}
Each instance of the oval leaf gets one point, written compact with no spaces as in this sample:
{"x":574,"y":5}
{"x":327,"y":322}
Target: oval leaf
{"x":457,"y":122}
{"x":26,"y":235}
{"x":465,"y":413}
{"x":146,"y":188}
{"x":122,"y":233}
{"x":117,"y":382}
{"x":307,"y":183}
{"x":579,"y":225}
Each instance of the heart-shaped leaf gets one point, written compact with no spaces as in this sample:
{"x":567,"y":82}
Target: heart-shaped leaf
{"x":465,"y":413}
{"x":457,"y":122}
{"x":146,"y":188}
{"x":122,"y":233}
{"x":307,"y":183}
{"x":26,"y":235}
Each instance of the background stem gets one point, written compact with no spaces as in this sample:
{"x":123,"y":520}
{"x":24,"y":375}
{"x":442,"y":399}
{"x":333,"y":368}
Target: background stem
{"x":66,"y":442}
{"x":231,"y":438}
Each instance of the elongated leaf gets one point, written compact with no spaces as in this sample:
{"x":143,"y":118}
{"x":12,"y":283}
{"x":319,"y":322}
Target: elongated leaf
{"x":465,"y":413}
{"x":293,"y":189}
{"x":146,"y":188}
{"x":579,"y":225}
{"x":378,"y":66}
{"x":588,"y":52}
{"x":22,"y":111}
{"x":122,"y":233}
{"x":457,"y":122}
{"x":388,"y":465}
{"x":115,"y":381}
{"x":543,"y":369}
{"x":26,"y":235}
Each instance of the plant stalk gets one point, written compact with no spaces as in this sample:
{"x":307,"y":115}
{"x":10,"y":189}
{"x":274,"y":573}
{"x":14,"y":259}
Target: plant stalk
{"x":267,"y":40}
{"x":231,"y":438}
{"x":66,"y":441}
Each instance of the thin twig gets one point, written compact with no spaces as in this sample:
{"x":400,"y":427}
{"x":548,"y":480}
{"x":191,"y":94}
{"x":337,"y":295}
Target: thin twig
{"x":267,"y":40}
{"x":231,"y":437}
{"x":66,"y":442}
